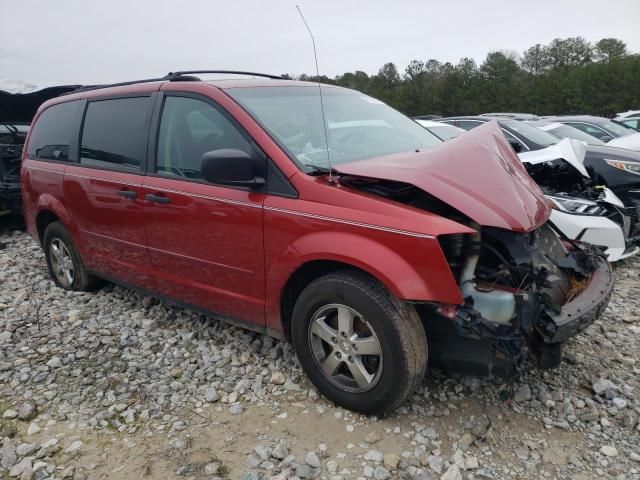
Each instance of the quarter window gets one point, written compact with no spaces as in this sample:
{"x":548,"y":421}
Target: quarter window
{"x":189,"y":128}
{"x":468,"y":124}
{"x":114,"y":134}
{"x":52,"y":133}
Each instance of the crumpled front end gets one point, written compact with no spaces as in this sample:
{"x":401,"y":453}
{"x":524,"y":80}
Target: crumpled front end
{"x":524,"y":295}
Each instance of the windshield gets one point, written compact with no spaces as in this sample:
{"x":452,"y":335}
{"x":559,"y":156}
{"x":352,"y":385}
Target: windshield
{"x":616,"y":129}
{"x":357,"y":126}
{"x":446,"y":132}
{"x":566,"y":131}
{"x":530,"y":133}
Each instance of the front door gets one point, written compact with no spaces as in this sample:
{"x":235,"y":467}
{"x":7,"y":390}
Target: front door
{"x":103,"y":191}
{"x":205,"y":241}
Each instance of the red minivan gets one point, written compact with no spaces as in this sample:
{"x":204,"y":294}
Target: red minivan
{"x":323,"y":216}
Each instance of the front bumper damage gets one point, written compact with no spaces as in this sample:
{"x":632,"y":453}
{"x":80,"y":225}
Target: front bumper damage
{"x":519,"y":308}
{"x":582,"y":311}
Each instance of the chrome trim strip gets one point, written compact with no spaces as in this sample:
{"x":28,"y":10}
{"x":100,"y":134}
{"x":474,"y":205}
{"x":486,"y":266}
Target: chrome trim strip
{"x":204,"y":197}
{"x":105,"y":180}
{"x":349,"y":222}
{"x":35,"y":167}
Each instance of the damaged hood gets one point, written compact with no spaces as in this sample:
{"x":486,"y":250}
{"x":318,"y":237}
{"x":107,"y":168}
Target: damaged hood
{"x":570,"y":150}
{"x":476,"y":173}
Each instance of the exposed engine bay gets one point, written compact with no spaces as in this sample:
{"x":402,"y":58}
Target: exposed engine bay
{"x":520,"y":290}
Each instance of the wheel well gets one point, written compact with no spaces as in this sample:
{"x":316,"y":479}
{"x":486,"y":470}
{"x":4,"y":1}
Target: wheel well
{"x":43,"y":219}
{"x":299,"y":280}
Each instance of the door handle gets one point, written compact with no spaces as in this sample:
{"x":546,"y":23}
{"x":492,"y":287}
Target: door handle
{"x":127,"y":193}
{"x":157,"y":198}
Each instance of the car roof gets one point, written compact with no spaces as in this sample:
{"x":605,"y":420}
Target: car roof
{"x":144,"y":86}
{"x":432,"y":123}
{"x":468,"y":117}
{"x":259,"y":82}
{"x":512,"y":115}
{"x":579,"y":118}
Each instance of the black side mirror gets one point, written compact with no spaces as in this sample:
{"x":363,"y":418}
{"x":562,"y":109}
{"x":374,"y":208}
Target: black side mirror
{"x":606,"y":138}
{"x":515,"y":144}
{"x":231,"y":167}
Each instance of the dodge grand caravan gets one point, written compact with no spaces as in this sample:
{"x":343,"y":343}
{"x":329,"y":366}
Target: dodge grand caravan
{"x":332,"y":220}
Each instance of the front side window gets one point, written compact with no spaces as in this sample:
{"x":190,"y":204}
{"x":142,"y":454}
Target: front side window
{"x":188,"y":129}
{"x":52,"y":133}
{"x":114,"y":134}
{"x":354,"y":126}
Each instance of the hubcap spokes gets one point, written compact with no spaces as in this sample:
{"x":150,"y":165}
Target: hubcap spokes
{"x":61,"y":262}
{"x":346,"y":348}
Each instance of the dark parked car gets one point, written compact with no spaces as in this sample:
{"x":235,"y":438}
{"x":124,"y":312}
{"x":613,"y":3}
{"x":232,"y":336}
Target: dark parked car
{"x":364,"y":239}
{"x":521,"y":136}
{"x":16,"y":112}
{"x":12,"y":137}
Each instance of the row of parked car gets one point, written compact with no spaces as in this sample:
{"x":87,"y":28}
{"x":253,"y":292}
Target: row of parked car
{"x":322,"y":215}
{"x":588,"y":167}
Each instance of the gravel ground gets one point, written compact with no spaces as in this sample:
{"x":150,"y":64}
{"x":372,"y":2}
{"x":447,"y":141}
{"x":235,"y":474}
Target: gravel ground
{"x":113,"y":385}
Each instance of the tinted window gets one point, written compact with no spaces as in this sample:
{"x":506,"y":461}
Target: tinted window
{"x":114,"y":134}
{"x":52,"y":132}
{"x":188,"y":129}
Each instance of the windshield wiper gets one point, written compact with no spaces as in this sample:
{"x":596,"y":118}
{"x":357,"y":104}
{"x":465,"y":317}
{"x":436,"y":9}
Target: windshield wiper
{"x":317,"y":169}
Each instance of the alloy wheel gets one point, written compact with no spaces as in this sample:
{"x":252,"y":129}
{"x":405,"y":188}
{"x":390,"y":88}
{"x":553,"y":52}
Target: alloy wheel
{"x":61,"y":262}
{"x":345,"y":348}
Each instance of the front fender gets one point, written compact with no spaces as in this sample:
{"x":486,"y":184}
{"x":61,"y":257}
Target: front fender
{"x":412,"y":268}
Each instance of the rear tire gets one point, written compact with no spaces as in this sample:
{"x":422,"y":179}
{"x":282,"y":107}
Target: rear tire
{"x":64,"y":262}
{"x":360,"y":346}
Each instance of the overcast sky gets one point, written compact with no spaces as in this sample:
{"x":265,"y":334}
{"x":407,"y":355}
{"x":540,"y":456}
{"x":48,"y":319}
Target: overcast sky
{"x":86,"y":41}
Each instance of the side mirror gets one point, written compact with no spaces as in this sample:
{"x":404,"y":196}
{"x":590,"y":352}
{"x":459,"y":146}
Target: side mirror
{"x":606,"y":138}
{"x":230,"y":167}
{"x":515,"y":144}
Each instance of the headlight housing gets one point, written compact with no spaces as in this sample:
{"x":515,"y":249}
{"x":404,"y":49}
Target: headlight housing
{"x":631,"y":167}
{"x":576,"y":206}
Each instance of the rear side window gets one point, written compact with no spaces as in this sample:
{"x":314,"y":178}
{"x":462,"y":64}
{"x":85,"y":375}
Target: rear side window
{"x":468,"y":124}
{"x":53,"y":131}
{"x":114,"y":134}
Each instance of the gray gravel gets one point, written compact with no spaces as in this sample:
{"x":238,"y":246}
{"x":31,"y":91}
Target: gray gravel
{"x":75,"y":366}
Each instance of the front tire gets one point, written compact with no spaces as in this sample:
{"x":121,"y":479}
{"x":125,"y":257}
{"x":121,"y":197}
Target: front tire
{"x":64,"y":262}
{"x":360,"y":346}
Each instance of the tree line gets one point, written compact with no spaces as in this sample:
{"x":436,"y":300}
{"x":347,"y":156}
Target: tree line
{"x":566,"y":76}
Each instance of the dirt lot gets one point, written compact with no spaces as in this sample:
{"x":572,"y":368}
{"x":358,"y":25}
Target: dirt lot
{"x":113,"y":385}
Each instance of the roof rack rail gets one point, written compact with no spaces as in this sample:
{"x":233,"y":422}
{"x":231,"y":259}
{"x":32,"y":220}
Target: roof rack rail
{"x":185,"y":75}
{"x":108,"y":85}
{"x":172,"y":76}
